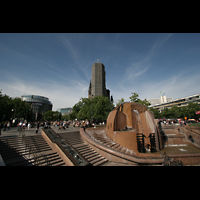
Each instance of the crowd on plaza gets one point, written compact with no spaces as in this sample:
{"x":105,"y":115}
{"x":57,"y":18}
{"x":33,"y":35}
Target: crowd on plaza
{"x":75,"y":123}
{"x":61,"y":125}
{"x":178,"y":121}
{"x":6,"y":126}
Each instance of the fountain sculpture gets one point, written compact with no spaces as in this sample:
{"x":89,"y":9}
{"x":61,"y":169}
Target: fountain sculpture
{"x":131,"y":125}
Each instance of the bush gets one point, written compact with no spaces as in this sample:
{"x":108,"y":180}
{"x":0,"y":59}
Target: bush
{"x":195,"y":124}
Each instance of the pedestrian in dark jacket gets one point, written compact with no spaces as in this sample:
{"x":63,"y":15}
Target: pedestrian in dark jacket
{"x":38,"y":126}
{"x":5,"y":126}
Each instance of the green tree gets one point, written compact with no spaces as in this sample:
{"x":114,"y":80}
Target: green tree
{"x":13,"y":108}
{"x":52,"y":115}
{"x":165,"y":113}
{"x":75,"y":110}
{"x":184,"y":112}
{"x":175,"y":112}
{"x":135,"y":98}
{"x":48,"y":115}
{"x":21,"y":109}
{"x":120,"y":102}
{"x":181,"y":112}
{"x":86,"y":109}
{"x":6,"y":107}
{"x":191,"y":110}
{"x":102,"y":107}
{"x":65,"y":117}
{"x":72,"y":115}
{"x":156,"y":113}
{"x":56,"y":115}
{"x":97,"y":108}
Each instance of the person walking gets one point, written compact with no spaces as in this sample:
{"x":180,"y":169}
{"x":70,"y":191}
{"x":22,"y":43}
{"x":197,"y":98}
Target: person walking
{"x":5,"y":126}
{"x":38,"y":126}
{"x":29,"y":125}
{"x":20,"y":128}
{"x":84,"y":126}
{"x":8,"y":126}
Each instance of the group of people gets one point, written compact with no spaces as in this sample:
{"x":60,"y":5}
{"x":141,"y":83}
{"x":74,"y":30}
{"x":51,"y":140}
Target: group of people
{"x":80,"y":123}
{"x":61,"y":124}
{"x":6,"y":126}
{"x":177,"y":121}
{"x":23,"y":125}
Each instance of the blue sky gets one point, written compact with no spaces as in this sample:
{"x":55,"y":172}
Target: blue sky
{"x":58,"y":65}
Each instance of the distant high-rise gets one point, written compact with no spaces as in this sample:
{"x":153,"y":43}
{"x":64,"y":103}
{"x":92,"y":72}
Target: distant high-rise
{"x":97,"y":85}
{"x":162,"y":99}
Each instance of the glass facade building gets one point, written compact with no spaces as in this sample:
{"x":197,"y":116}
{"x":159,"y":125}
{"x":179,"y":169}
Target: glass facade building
{"x":39,"y":105}
{"x":64,"y":111}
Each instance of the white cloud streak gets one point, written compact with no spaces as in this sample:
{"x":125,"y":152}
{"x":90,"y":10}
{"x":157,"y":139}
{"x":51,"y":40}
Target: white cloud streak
{"x":140,"y":67}
{"x":75,"y":56}
{"x":60,"y":95}
{"x":177,"y":86}
{"x":160,"y":41}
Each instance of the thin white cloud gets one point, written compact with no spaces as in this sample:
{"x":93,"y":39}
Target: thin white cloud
{"x":59,"y":94}
{"x":139,"y":68}
{"x":160,"y":41}
{"x":70,"y":47}
{"x":177,"y":86}
{"x":135,"y":72}
{"x":76,"y":56}
{"x":64,"y":86}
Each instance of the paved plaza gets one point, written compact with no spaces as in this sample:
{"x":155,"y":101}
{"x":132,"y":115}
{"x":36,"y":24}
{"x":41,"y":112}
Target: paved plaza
{"x":177,"y":146}
{"x":14,"y":133}
{"x":31,"y":132}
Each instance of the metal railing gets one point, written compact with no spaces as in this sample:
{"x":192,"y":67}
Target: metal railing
{"x":171,"y":161}
{"x":67,"y":149}
{"x":33,"y":149}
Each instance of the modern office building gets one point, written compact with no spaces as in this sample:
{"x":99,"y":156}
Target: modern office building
{"x":64,"y":111}
{"x":162,"y":99}
{"x":97,"y":85}
{"x":182,"y":102}
{"x":39,"y":105}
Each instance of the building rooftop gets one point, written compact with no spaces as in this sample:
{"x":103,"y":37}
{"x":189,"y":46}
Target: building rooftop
{"x":180,"y":100}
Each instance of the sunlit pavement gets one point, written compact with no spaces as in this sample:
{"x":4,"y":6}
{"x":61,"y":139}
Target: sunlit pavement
{"x":13,"y":132}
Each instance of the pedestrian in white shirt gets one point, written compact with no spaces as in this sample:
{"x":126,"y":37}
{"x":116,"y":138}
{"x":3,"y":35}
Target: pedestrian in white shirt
{"x":29,"y":125}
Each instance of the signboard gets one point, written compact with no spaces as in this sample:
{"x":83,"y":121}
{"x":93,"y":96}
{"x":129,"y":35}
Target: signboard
{"x":197,"y":112}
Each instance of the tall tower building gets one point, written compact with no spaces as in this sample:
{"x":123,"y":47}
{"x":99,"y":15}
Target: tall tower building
{"x":97,"y":85}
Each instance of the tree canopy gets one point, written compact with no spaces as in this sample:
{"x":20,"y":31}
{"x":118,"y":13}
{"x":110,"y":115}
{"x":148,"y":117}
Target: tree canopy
{"x":178,"y":112}
{"x":135,"y":98}
{"x":120,"y":102}
{"x":52,"y":115}
{"x":173,"y":112}
{"x":96,"y":108}
{"x":11,"y":108}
